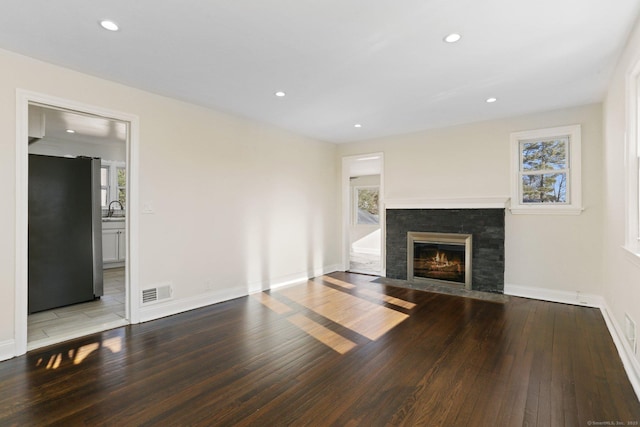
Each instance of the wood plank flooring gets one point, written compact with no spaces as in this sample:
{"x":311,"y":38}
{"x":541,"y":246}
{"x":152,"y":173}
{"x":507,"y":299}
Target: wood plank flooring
{"x":340,"y":350}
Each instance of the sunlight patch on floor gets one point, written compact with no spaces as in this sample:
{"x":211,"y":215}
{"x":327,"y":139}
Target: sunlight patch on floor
{"x":370,"y":319}
{"x":387,"y":298}
{"x":322,"y":334}
{"x":338,"y":282}
{"x":84,"y":351}
{"x":272,"y":303}
{"x":364,"y":317}
{"x":77,"y":356}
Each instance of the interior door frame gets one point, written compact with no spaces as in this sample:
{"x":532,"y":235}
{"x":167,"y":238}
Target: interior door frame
{"x":346,"y":209}
{"x":23,"y":99}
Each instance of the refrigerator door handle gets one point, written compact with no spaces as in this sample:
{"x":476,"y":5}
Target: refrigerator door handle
{"x":96,"y":228}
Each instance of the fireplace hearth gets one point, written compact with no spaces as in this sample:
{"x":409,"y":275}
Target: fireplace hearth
{"x":439,"y":257}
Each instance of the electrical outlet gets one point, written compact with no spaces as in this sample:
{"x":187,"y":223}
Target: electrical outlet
{"x":208,"y":284}
{"x":147,"y":208}
{"x":630,"y":332}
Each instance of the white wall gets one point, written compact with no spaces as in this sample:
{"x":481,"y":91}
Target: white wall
{"x":238,"y":205}
{"x":548,"y":252}
{"x":621,"y":273}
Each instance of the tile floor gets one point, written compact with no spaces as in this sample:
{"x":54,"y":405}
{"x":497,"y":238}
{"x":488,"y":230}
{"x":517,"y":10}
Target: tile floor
{"x":441,"y":288}
{"x":60,"y":324}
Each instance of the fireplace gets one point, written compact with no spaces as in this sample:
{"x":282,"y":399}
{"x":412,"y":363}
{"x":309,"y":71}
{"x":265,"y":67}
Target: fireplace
{"x":439,"y":257}
{"x":486,"y":225}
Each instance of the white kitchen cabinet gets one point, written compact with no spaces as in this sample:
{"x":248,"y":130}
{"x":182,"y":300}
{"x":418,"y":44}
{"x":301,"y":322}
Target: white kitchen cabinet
{"x":110,"y":245}
{"x":114,"y":243}
{"x":122,"y":244}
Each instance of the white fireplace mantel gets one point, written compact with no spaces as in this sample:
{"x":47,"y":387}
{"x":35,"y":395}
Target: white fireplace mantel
{"x":459,"y":203}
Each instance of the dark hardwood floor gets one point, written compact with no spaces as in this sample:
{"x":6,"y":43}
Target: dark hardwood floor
{"x":338,"y":351}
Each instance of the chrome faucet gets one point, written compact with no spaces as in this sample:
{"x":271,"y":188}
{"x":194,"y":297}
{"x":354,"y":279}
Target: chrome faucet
{"x":110,"y":212}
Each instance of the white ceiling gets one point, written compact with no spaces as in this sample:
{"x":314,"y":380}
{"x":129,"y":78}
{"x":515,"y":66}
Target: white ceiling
{"x":87,"y":128}
{"x":381,"y":63}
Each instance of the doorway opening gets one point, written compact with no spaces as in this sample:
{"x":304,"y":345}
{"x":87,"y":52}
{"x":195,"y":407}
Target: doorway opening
{"x":61,"y":132}
{"x":363,"y":214}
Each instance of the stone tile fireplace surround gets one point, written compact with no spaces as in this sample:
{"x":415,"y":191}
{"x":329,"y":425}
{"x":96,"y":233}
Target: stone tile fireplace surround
{"x":485,"y":224}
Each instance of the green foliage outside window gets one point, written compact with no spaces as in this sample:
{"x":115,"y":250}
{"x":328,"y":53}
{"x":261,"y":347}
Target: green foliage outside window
{"x":368,"y":206}
{"x":544,"y":171}
{"x":122,"y":184}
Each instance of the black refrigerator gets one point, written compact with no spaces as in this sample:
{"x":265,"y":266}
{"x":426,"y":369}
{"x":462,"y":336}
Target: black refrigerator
{"x":65,"y":231}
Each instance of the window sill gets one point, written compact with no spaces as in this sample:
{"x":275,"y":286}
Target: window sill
{"x":632,"y":255}
{"x":546,"y":210}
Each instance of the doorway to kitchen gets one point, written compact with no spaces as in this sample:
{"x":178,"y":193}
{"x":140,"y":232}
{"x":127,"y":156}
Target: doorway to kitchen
{"x":65,"y":132}
{"x":363,"y":214}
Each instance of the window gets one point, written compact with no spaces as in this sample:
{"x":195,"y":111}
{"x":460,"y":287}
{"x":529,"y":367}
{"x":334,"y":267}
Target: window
{"x":632,"y":162}
{"x":543,"y":170}
{"x":546,"y":171}
{"x":122,"y":184}
{"x":104,"y":186}
{"x":367,"y":206}
{"x":113,"y":176}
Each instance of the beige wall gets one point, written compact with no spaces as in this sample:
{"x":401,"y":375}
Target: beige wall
{"x":549,"y":252}
{"x":238,"y":204}
{"x":621,"y":274}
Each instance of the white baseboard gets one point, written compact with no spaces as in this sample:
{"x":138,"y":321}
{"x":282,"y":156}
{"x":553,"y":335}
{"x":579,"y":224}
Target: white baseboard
{"x":296,"y":278}
{"x":629,"y":361}
{"x":7,"y":349}
{"x":553,"y":295}
{"x":175,"y":306}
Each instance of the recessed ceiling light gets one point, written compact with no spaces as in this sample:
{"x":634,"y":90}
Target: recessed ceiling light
{"x":71,"y":131}
{"x":491,"y":100}
{"x":280,"y":94}
{"x":109,"y":25}
{"x":452,"y":38}
{"x":357,"y":125}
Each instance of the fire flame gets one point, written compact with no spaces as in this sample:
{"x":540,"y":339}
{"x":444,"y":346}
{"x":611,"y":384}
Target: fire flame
{"x":441,"y":259}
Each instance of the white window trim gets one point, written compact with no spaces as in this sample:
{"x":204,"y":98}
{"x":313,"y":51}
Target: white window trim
{"x":632,"y":164}
{"x":105,"y":187}
{"x":112,"y":192}
{"x":574,"y":184}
